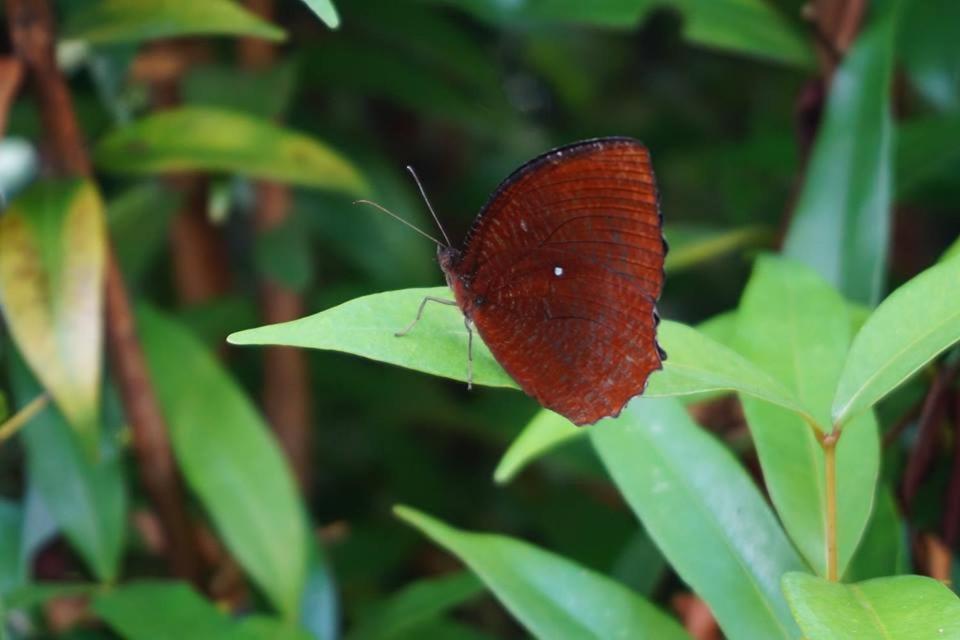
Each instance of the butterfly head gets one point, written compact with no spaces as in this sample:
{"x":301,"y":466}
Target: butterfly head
{"x":448,"y":257}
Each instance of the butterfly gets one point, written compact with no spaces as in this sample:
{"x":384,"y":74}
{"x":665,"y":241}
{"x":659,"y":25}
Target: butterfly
{"x":560,"y":274}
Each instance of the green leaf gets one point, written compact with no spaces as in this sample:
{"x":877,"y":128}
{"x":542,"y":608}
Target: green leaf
{"x":883,"y":551}
{"x":12,"y":572}
{"x":230,"y":460}
{"x":931,"y":51}
{"x":139,"y":219}
{"x":325,"y":11}
{"x":263,"y":92}
{"x":693,"y":246}
{"x":415,"y":605}
{"x":87,"y":499}
{"x":897,"y":608}
{"x":366,"y":327}
{"x":166,"y":610}
{"x":545,"y":432}
{"x":926,"y":150}
{"x":209,"y":139}
{"x":602,"y":13}
{"x":438,"y":345}
{"x":110,"y":21}
{"x":797,"y":328}
{"x":750,"y":27}
{"x":551,"y":596}
{"x":910,"y":328}
{"x":320,"y":609}
{"x":52,"y":257}
{"x":696,"y":364}
{"x":703,"y":511}
{"x":841,"y":225}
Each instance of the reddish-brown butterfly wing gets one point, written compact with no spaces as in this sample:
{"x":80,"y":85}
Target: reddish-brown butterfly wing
{"x":560,"y":274}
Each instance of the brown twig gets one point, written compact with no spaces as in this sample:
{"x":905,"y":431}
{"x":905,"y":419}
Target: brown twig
{"x":32,"y":33}
{"x":951,"y":511}
{"x":11,"y":73}
{"x":286,"y":389}
{"x":911,"y":414}
{"x":931,"y":417}
{"x":835,"y":24}
{"x":198,"y":253}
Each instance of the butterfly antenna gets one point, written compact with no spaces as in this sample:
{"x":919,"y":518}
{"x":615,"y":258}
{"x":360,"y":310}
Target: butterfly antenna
{"x":396,"y":217}
{"x":429,"y":206}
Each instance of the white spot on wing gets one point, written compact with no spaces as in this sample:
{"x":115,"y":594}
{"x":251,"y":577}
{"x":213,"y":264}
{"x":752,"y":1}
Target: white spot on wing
{"x":558,"y":271}
{"x":523,"y":225}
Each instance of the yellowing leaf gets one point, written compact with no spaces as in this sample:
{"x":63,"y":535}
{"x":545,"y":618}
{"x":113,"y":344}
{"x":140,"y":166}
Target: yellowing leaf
{"x":52,"y":252}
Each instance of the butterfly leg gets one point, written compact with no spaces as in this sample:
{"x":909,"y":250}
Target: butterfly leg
{"x":423,"y":303}
{"x":466,"y":323}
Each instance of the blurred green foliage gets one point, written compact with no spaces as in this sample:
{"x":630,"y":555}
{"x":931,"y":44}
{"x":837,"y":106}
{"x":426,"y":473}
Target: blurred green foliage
{"x":465,"y":91}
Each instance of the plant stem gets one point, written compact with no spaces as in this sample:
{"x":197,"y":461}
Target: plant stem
{"x":32,"y":34}
{"x":829,"y":444}
{"x":9,"y":428}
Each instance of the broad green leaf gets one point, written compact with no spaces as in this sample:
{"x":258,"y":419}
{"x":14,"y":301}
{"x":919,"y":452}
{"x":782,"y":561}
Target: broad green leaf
{"x":695,"y":365}
{"x":550,"y":595}
{"x":438,"y":345}
{"x":52,"y":256}
{"x":230,"y":460}
{"x":793,"y":469}
{"x":797,"y":328}
{"x":841,"y":225}
{"x":602,"y":13}
{"x":325,"y":11}
{"x":545,"y":432}
{"x":263,"y":92}
{"x":931,"y":51}
{"x":139,"y":220}
{"x":926,"y":150}
{"x":897,"y":608}
{"x":640,"y":565}
{"x":209,"y":139}
{"x":166,"y":610}
{"x":111,"y":21}
{"x":883,"y":550}
{"x":86,"y":498}
{"x":692,"y":246}
{"x":703,"y":511}
{"x":911,"y":327}
{"x":366,"y":327}
{"x":416,"y":604}
{"x":750,"y":27}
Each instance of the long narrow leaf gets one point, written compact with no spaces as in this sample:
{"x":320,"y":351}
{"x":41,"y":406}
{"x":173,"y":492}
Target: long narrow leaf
{"x":841,"y":226}
{"x":705,"y":514}
{"x":551,"y":596}
{"x":230,"y":460}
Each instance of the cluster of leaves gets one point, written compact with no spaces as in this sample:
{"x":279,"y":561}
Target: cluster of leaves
{"x":470,"y":89}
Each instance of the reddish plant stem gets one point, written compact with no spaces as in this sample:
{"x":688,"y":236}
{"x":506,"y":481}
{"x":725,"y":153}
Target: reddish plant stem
{"x":32,"y":33}
{"x":200,"y":261}
{"x":931,"y":417}
{"x":951,"y":511}
{"x":286,"y":382}
{"x":11,"y":73}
